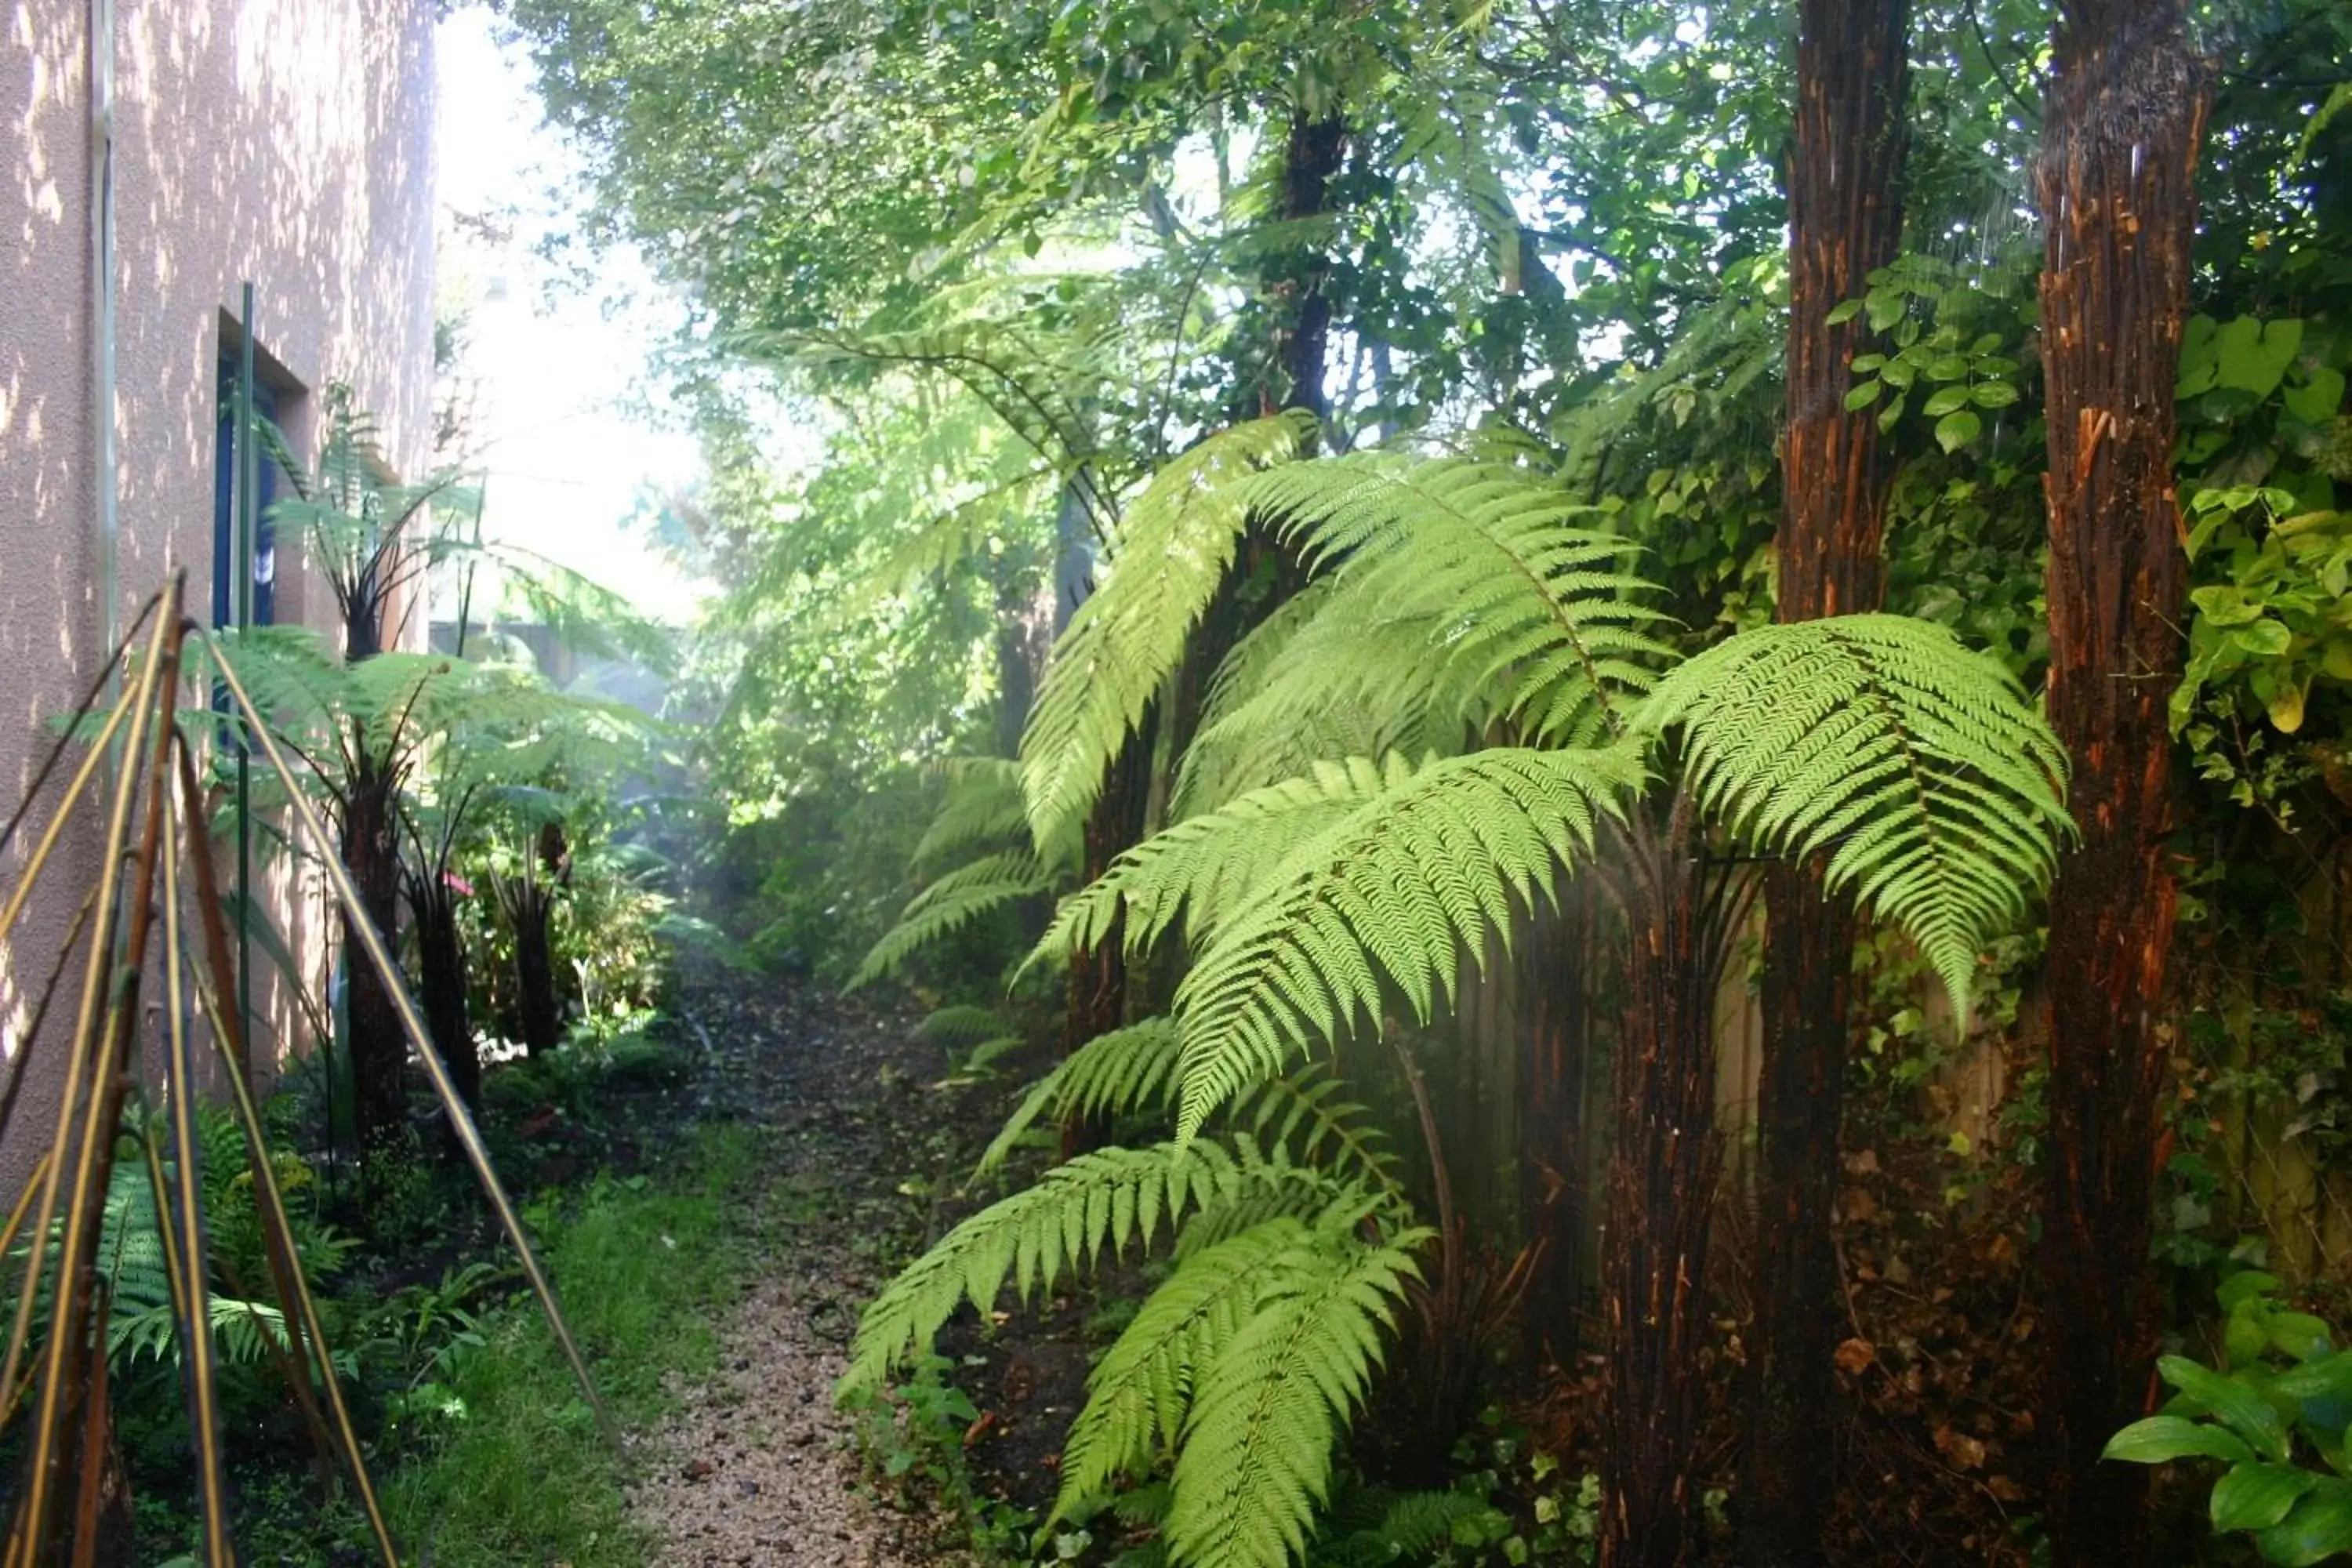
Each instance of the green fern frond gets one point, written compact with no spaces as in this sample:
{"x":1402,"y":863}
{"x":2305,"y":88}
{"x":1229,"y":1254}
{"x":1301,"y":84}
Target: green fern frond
{"x":950,"y":904}
{"x":1140,"y":1391}
{"x":982,"y":808}
{"x":1305,"y":1112}
{"x":1127,"y":1069}
{"x":962,"y":1024}
{"x":1521,"y":604}
{"x":1408,"y":1527}
{"x":1921,"y":768}
{"x":1098,"y":1202}
{"x":1174,"y":545}
{"x":1352,"y":682}
{"x":1388,"y":895}
{"x":1205,"y":867}
{"x":1270,"y":1407}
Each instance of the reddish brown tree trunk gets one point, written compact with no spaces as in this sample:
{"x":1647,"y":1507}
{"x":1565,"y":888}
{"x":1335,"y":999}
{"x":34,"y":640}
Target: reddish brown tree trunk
{"x":1662,"y":1184}
{"x":1555,"y":1052}
{"x":378,"y":1044}
{"x":2125,"y":112}
{"x":1311,"y":159}
{"x":1845,"y":220}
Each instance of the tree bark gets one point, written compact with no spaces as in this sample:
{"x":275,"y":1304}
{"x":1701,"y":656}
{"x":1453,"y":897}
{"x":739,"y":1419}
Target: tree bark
{"x":1845,"y":220}
{"x":1556,"y":1040}
{"x":1311,"y":159}
{"x":2124,"y":115}
{"x":377,"y":1042}
{"x":1661,"y":1186}
{"x":441,"y":983}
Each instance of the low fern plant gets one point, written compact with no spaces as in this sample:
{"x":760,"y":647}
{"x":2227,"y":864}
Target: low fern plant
{"x":2277,"y":1416}
{"x":1239,"y":1374}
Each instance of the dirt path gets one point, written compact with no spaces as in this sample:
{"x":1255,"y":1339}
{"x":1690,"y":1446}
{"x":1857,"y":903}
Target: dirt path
{"x":757,"y":1465}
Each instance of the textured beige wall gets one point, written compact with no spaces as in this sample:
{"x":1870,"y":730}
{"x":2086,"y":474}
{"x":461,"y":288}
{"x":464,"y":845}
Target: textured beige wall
{"x":285,"y":142}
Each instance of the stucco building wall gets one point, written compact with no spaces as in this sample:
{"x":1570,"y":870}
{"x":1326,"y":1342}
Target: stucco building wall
{"x":289,"y":143}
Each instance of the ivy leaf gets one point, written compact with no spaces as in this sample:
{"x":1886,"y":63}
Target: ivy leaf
{"x":1954,"y":431}
{"x":1844,"y":312}
{"x":1888,"y":415}
{"x":1943,"y":400}
{"x":1861,"y":396}
{"x":1993,"y":394}
{"x":2160,"y":1439}
{"x":1947,"y":367}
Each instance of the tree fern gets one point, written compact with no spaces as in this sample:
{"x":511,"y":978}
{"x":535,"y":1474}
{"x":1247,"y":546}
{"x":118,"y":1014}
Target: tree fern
{"x":1520,"y":602}
{"x":1917,"y":767}
{"x":981,"y":809}
{"x":1386,"y":895}
{"x":1096,"y":1203}
{"x":1134,"y":1069}
{"x":1173,"y":550}
{"x":950,"y":904}
{"x":1205,"y":868}
{"x":1268,"y":1409}
{"x":1127,"y":1069}
{"x":1142,"y":1390}
{"x":1306,"y":685}
{"x":1405,"y":1528}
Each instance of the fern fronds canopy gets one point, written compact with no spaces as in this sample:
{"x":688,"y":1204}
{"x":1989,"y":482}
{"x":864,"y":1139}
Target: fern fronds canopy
{"x":1173,"y":547}
{"x":1266,"y":1412}
{"x":1917,"y":766}
{"x":1203,"y":869}
{"x":1386,"y":896}
{"x":1097,"y":1203}
{"x":1530,"y":615}
{"x":949,"y":904}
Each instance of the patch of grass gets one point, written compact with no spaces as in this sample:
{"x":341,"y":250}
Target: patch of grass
{"x":519,"y":1474}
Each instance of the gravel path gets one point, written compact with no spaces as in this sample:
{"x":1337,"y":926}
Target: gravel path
{"x":757,"y":1467}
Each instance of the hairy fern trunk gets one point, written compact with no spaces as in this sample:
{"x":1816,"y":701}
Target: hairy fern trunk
{"x":1662,"y":1192}
{"x":1845,"y":220}
{"x":377,"y":1042}
{"x":1554,"y":1025}
{"x":2125,"y":113}
{"x":441,"y":982}
{"x":1098,"y":995}
{"x":1312,"y":160}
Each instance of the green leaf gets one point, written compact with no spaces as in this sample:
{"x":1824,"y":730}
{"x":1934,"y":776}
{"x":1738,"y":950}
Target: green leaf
{"x":2320,"y":1379}
{"x":1862,"y":365}
{"x":1947,"y":367}
{"x":2160,"y":1439}
{"x":1890,"y":415}
{"x":2257,"y":1496}
{"x":1861,"y":396}
{"x":2241,"y":1409}
{"x":1943,"y":400}
{"x":1954,"y":431}
{"x":1993,"y":394}
{"x":1844,"y":312}
{"x":2252,"y":355}
{"x":2317,"y":1528}
{"x":2318,"y":400}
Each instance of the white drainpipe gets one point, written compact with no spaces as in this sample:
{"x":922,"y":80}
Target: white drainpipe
{"x":101,"y":279}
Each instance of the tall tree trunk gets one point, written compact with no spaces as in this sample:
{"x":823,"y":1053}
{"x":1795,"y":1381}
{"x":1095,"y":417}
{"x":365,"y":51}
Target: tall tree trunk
{"x":1555,"y":1025}
{"x":1845,"y":219}
{"x":2116,"y":183}
{"x":377,"y":1042}
{"x":441,"y":982}
{"x":1662,"y":1189}
{"x":1311,"y":157}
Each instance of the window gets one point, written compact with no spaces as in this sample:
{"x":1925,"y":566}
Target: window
{"x":225,"y":499}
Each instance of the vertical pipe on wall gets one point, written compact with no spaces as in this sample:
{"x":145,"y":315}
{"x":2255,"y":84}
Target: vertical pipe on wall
{"x":101,"y":336}
{"x":247,"y":457}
